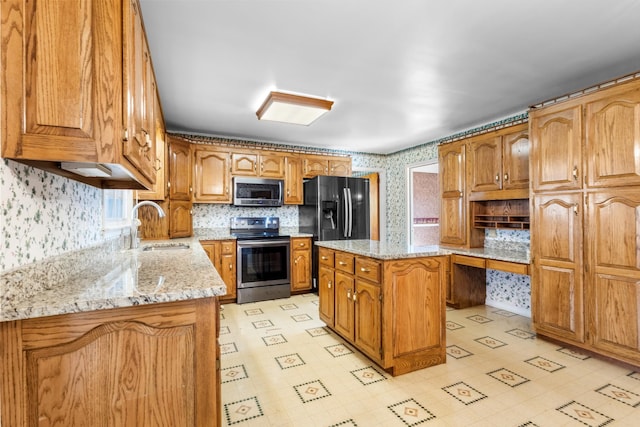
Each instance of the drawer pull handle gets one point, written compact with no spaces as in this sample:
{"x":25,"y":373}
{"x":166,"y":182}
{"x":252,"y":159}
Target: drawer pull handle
{"x":324,"y":258}
{"x":329,"y":284}
{"x":342,"y":263}
{"x":301,"y":244}
{"x":365,"y":270}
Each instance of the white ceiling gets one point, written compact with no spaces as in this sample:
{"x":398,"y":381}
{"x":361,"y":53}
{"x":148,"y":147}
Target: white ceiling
{"x":401,"y":72}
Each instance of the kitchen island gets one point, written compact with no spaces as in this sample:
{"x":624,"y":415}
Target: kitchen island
{"x":387,"y":300}
{"x":124,"y":337}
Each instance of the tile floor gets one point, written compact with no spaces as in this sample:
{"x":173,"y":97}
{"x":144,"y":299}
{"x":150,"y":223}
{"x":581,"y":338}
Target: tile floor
{"x":281,"y":366}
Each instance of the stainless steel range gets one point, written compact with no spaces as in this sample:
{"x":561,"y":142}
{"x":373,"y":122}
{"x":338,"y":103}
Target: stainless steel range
{"x":263,"y":259}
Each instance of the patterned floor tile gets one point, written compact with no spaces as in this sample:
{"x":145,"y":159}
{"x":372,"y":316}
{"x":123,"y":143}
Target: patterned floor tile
{"x":525,"y":335}
{"x":452,"y":326}
{"x":457,"y":352}
{"x":289,"y":361}
{"x":368,"y":375}
{"x":574,"y":353}
{"x":228,"y":348}
{"x":345,"y":423}
{"x":274,"y":340}
{"x":410,"y":412}
{"x":242,"y":410}
{"x":233,"y":373}
{"x":490,"y":342}
{"x":222,"y":316}
{"x":528,"y":424}
{"x":634,"y":375}
{"x":261,"y":324}
{"x":464,"y":393}
{"x":301,"y":317}
{"x":224,"y":330}
{"x":545,"y":364}
{"x":253,"y":312}
{"x":504,"y":313}
{"x":312,"y":390}
{"x":479,"y":319}
{"x":584,"y":414}
{"x":288,"y":307}
{"x":621,"y":395}
{"x":507,"y":377}
{"x":338,"y":350}
{"x":317,"y":332}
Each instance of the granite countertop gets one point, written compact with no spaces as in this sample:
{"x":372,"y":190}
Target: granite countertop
{"x":224,"y":233}
{"x":389,"y":251}
{"x":106,"y":277}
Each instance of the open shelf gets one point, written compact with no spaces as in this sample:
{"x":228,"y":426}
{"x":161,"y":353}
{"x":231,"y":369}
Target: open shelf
{"x":509,"y":214}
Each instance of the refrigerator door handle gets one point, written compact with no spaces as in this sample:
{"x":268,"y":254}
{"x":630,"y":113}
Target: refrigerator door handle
{"x":346,"y":212}
{"x":350,"y":211}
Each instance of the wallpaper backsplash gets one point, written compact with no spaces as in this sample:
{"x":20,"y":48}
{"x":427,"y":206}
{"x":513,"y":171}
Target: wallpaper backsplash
{"x":218,"y":216}
{"x":43,"y":215}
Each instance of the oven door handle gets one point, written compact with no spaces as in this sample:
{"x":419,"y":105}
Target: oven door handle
{"x":262,"y":242}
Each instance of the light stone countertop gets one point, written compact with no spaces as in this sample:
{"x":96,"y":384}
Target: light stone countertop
{"x":106,"y":277}
{"x":390,"y":251}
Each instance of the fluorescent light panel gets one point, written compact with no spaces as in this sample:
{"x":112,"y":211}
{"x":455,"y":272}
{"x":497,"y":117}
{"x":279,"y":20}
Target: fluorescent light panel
{"x":289,"y":108}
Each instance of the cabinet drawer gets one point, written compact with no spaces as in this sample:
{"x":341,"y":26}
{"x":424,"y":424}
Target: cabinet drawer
{"x":326,"y":257}
{"x":344,"y":262}
{"x":510,"y":267}
{"x":228,"y":247}
{"x":369,"y":269}
{"x":300,"y":243}
{"x":471,"y":261}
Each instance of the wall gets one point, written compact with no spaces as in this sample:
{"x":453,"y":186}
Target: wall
{"x":43,"y":215}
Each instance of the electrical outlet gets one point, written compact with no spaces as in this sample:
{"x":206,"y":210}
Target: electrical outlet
{"x":492,"y":233}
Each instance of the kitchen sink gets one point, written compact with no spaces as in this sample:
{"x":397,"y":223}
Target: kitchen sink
{"x":166,"y":247}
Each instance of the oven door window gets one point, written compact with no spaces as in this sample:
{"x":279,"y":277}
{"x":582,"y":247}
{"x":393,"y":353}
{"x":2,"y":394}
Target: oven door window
{"x":264,"y":265}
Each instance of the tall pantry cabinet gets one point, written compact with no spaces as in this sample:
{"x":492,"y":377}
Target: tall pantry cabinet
{"x":585,"y":243}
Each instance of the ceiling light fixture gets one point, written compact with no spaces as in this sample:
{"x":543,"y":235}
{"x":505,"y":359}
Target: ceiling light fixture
{"x":289,"y":108}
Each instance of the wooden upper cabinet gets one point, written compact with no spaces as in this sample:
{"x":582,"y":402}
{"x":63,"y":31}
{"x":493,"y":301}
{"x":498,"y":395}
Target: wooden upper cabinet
{"x":453,"y":210}
{"x":340,"y":167}
{"x":267,"y":165}
{"x":293,"y":183}
{"x":159,"y":189}
{"x":180,"y":186}
{"x":515,"y":160}
{"x":485,"y":164}
{"x":314,"y":166}
{"x":78,"y":73}
{"x":139,"y":92}
{"x":613,"y":139}
{"x":211,"y":174}
{"x":556,"y":148}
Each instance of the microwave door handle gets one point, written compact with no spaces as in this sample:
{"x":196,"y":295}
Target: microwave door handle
{"x":346,"y":212}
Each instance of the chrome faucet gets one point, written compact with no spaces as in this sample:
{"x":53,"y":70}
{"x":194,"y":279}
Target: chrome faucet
{"x":135,"y":222}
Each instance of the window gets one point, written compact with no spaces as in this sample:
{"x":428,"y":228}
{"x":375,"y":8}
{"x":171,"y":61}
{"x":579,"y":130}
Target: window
{"x":116,"y":208}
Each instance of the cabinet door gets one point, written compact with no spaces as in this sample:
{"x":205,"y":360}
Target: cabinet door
{"x":159,"y":190}
{"x":556,"y":149}
{"x":293,"y":183}
{"x":244,"y":164}
{"x":340,"y":167}
{"x":515,"y":160}
{"x":326,"y":292}
{"x":557,"y":290}
{"x":211,"y":174}
{"x":300,"y":264}
{"x":453,"y":222}
{"x":272,"y":165}
{"x":228,"y":267}
{"x":138,"y":146}
{"x":485,"y":164}
{"x":343,"y":315}
{"x":614,"y":273}
{"x":613,"y":140}
{"x":180,"y":224}
{"x":180,"y":186}
{"x":314,"y":166}
{"x":368,"y":318}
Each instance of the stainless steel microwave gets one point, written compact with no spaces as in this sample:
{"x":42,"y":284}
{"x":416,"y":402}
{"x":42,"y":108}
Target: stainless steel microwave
{"x":257,"y":191}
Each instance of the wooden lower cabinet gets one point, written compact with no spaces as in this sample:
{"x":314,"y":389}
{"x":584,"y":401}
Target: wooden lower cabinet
{"x":392,"y":310}
{"x":300,"y":264}
{"x":222,"y":254}
{"x":150,"y":365}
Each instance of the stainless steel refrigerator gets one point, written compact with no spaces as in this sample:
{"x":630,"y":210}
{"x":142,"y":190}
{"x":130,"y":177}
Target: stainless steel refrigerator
{"x":335,"y":208}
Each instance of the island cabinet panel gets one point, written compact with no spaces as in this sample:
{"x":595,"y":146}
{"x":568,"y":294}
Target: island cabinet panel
{"x":393,"y":311}
{"x":144,"y":366}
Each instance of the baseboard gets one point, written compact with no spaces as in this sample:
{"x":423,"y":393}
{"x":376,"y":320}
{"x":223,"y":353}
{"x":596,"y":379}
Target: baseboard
{"x":508,"y":307}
